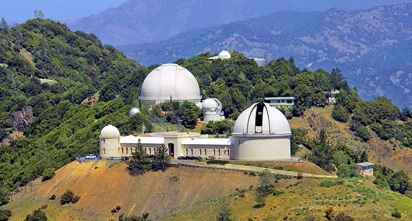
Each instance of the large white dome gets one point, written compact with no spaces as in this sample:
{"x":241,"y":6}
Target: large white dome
{"x":109,"y":131}
{"x":260,"y":119}
{"x":170,"y":81}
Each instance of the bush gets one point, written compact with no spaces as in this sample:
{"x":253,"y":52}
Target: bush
{"x":300,"y":176}
{"x":396,"y":214}
{"x":75,"y":199}
{"x":220,"y":162}
{"x":331,"y":183}
{"x":5,"y":215}
{"x":53,"y":197}
{"x":48,"y":173}
{"x":340,"y":113}
{"x":69,"y":197}
{"x":37,"y":215}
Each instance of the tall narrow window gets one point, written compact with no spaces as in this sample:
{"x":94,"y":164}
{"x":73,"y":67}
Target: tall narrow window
{"x":214,"y":152}
{"x":104,"y":150}
{"x":187,"y":152}
{"x":228,"y":152}
{"x":205,"y":152}
{"x":191,"y":151}
{"x":200,"y":151}
{"x":219,"y":152}
{"x":127,"y":150}
{"x":150,"y":150}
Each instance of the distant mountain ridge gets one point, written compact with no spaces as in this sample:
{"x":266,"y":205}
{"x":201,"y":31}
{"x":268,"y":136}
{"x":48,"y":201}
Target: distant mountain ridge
{"x":144,"y":21}
{"x":372,"y":47}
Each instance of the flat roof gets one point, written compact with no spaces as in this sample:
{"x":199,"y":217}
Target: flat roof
{"x":143,"y":140}
{"x":223,"y":142}
{"x":279,"y":98}
{"x":364,"y":164}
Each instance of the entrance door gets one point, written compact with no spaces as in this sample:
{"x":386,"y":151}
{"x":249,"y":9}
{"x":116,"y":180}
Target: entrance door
{"x":171,"y":149}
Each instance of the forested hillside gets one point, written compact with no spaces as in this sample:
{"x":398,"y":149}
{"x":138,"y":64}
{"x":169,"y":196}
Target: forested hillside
{"x":75,"y":86}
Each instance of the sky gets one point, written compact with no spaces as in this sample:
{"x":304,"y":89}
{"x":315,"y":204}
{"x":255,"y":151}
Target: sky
{"x":19,"y":11}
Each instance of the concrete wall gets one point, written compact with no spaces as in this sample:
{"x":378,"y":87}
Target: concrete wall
{"x":109,"y":147}
{"x":261,"y":148}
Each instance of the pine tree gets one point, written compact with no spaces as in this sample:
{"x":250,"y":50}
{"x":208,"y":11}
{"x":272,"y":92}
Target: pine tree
{"x":139,"y":162}
{"x":161,"y":158}
{"x":3,"y":26}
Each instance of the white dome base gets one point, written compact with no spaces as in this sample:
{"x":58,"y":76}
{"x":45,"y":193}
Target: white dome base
{"x":261,"y":148}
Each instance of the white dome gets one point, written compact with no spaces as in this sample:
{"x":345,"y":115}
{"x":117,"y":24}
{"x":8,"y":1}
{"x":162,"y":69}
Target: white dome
{"x":170,"y":81}
{"x":109,"y":131}
{"x":270,"y":122}
{"x":134,"y":111}
{"x":210,"y":104}
{"x":224,"y":55}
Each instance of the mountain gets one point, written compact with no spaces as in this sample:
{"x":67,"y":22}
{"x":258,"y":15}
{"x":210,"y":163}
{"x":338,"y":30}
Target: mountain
{"x":371,"y":47}
{"x":142,"y":21}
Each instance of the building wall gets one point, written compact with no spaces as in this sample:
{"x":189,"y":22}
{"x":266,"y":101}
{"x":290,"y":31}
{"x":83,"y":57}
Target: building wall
{"x":217,"y":151}
{"x":261,"y":149}
{"x":109,"y":147}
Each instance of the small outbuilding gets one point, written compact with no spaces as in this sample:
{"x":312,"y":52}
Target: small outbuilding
{"x":365,"y":168}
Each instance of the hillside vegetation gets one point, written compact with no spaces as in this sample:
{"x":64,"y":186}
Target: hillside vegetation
{"x":76,"y":86}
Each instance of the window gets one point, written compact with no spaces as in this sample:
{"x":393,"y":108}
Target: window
{"x":187,"y":152}
{"x":200,"y":151}
{"x":205,"y":152}
{"x":104,"y":150}
{"x":228,"y":152}
{"x":219,"y":152}
{"x":192,"y":151}
{"x":127,"y":150}
{"x":122,"y":150}
{"x":150,"y":150}
{"x":214,"y":152}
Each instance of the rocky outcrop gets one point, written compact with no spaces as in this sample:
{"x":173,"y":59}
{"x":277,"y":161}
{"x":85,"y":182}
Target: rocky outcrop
{"x":21,"y":120}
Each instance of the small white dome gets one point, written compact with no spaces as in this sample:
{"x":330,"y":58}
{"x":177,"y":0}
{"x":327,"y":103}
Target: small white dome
{"x":260,"y":119}
{"x":134,"y":111}
{"x":109,"y":131}
{"x":224,"y":55}
{"x":170,"y":81}
{"x":210,"y":104}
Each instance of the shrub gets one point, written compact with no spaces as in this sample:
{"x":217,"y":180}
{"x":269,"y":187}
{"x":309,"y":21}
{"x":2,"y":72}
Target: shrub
{"x":69,"y":197}
{"x":396,"y":214}
{"x":220,"y":162}
{"x":300,"y":176}
{"x":5,"y":215}
{"x":48,"y":173}
{"x":37,"y":215}
{"x":331,"y":183}
{"x":118,"y":208}
{"x":340,"y":113}
{"x":113,"y":211}
{"x":53,"y":197}
{"x":75,"y":199}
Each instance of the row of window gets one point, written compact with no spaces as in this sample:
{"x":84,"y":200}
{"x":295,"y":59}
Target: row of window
{"x":204,"y":152}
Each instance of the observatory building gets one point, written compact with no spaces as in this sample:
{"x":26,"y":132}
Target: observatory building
{"x":261,"y":133}
{"x":223,"y":55}
{"x":170,"y":82}
{"x":212,"y":110}
{"x":134,"y":111}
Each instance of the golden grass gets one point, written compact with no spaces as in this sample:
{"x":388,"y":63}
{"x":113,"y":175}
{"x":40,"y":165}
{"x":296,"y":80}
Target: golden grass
{"x":106,"y":187}
{"x":306,"y":198}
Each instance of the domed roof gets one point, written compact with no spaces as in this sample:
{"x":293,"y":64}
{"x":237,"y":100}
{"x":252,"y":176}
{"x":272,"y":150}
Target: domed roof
{"x":134,"y":111}
{"x":211,"y":104}
{"x":224,"y":55}
{"x":170,"y":81}
{"x":109,"y":131}
{"x":260,"y":119}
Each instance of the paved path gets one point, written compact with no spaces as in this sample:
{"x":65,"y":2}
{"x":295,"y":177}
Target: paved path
{"x":235,"y":167}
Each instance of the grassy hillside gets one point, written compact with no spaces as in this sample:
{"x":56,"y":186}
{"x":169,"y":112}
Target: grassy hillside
{"x":308,"y":198}
{"x":389,"y":153}
{"x":103,"y":186}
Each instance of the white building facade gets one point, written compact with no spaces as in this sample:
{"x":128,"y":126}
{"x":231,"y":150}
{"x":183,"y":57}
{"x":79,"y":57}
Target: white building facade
{"x":261,"y":133}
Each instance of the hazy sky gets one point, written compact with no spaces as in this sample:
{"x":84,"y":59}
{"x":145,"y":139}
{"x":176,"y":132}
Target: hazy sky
{"x":61,"y":10}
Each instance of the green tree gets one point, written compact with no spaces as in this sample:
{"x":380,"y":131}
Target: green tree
{"x":5,"y":215}
{"x":38,"y":215}
{"x":189,"y":114}
{"x":3,"y":26}
{"x":264,"y":189}
{"x":67,"y":197}
{"x":322,"y":152}
{"x":161,"y":158}
{"x":48,"y":173}
{"x":38,"y":14}
{"x":139,"y":162}
{"x":340,"y":113}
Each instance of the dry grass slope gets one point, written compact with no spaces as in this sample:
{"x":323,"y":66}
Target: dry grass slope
{"x":108,"y":186}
